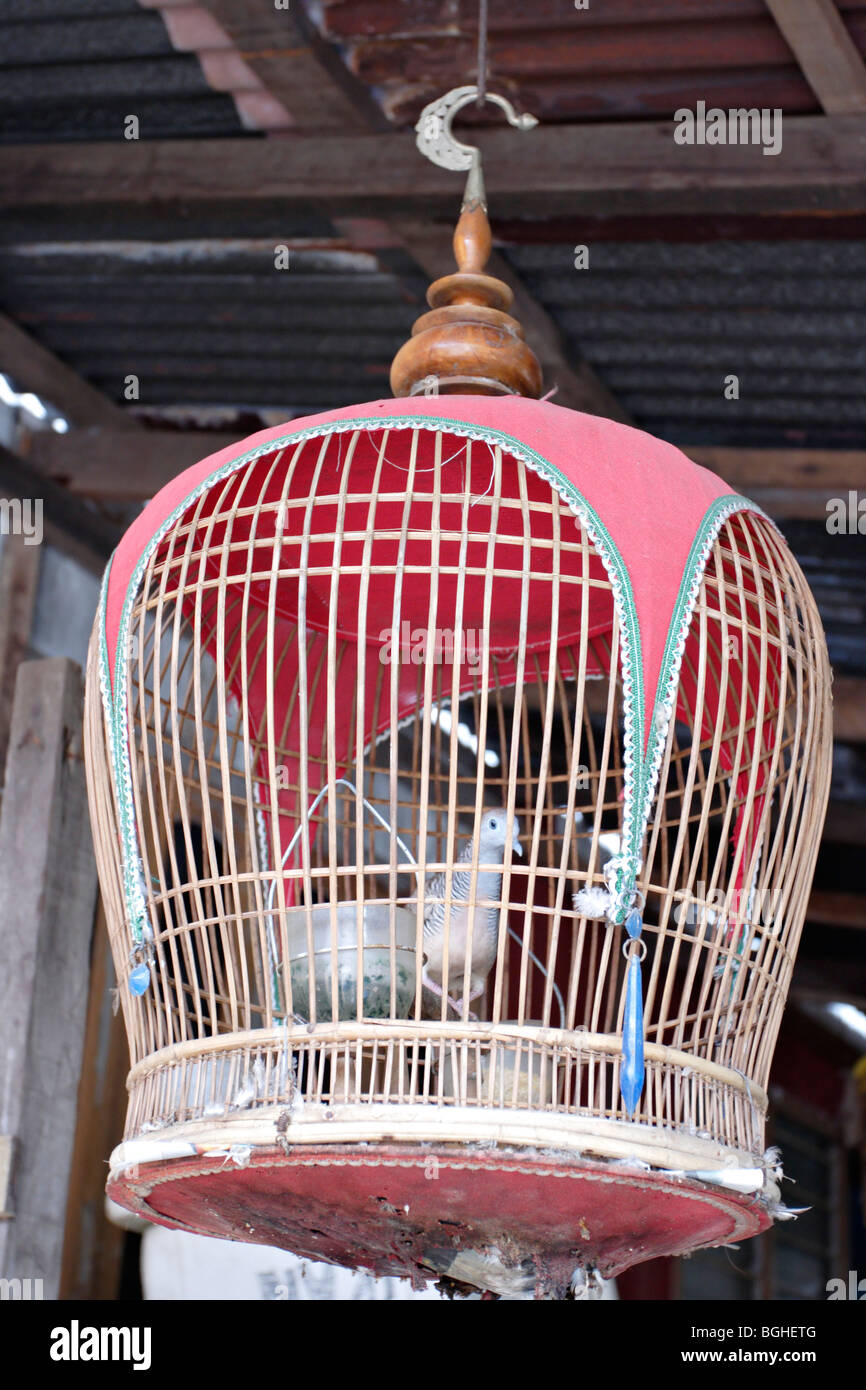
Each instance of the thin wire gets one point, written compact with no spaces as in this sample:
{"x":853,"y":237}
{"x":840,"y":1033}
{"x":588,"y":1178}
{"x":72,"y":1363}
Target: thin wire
{"x":543,"y":968}
{"x":340,"y":782}
{"x":482,"y":53}
{"x":272,"y":943}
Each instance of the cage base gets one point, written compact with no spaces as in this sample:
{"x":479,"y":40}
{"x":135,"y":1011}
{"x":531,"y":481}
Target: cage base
{"x":502,"y":1220}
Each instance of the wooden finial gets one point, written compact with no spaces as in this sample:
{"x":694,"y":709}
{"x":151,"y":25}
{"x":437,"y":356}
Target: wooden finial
{"x":468,"y":343}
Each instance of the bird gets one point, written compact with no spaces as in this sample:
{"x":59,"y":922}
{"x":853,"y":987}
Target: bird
{"x":494,"y":835}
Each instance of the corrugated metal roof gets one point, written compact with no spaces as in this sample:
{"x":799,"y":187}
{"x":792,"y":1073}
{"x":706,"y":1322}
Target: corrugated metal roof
{"x":616,"y":59}
{"x":214,"y":322}
{"x":665,"y":325}
{"x":75,"y":69}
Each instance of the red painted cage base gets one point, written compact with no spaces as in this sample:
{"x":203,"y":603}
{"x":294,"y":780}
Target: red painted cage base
{"x":419,"y":1212}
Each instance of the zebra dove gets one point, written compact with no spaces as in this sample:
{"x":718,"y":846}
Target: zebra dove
{"x":493,"y":838}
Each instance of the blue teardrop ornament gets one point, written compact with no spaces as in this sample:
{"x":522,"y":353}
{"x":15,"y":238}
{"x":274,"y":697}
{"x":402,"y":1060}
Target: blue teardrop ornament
{"x":634,"y":924}
{"x":139,"y":979}
{"x":632,"y":1072}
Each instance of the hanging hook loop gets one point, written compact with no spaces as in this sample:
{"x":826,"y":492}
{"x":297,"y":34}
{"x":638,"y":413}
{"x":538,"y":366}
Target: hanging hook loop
{"x":436,"y":139}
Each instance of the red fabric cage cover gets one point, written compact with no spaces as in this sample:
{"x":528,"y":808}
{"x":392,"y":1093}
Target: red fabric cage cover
{"x":651,"y":513}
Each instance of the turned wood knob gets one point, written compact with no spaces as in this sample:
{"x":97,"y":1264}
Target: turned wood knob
{"x":472,"y":239}
{"x":468,"y":343}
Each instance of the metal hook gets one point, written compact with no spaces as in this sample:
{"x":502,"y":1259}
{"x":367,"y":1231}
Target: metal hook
{"x":437,"y":141}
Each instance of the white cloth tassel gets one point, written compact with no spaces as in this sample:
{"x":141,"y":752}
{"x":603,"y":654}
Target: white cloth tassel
{"x":592,"y":902}
{"x":779,"y":1212}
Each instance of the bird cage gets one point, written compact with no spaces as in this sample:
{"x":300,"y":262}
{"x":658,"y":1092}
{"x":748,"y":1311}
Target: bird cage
{"x":457,"y":766}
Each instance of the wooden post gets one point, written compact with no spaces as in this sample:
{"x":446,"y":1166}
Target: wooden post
{"x":93,"y":1245}
{"x":47,"y":904}
{"x":19,"y":578}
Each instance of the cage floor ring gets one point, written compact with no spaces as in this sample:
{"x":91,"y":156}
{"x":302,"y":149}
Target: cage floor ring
{"x":420,"y":1212}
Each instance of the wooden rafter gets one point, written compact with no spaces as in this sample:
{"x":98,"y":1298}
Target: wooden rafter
{"x":788,"y":483}
{"x":827,"y":55}
{"x":567,"y":169}
{"x":129,"y":468}
{"x":297,"y":66}
{"x":105,"y":463}
{"x":849,"y":709}
{"x":33,"y":368}
{"x":838,"y":909}
{"x":67,"y":522}
{"x":19,"y":579}
{"x":846,"y":822}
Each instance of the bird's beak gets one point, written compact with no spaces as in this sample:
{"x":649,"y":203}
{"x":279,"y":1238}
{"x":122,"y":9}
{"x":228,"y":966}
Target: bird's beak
{"x":517,"y":847}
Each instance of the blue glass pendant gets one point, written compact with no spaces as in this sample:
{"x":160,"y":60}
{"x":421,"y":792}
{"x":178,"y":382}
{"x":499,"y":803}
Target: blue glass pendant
{"x":139,"y":979}
{"x":631,"y":1077}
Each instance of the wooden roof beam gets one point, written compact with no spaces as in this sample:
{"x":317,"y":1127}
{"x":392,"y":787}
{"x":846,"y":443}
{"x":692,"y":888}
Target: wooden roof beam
{"x":67,"y":522}
{"x":624,"y":170}
{"x":109,"y":464}
{"x":849,"y":709}
{"x":296,"y":65}
{"x":788,"y":483}
{"x":837,"y":909}
{"x":827,"y":55}
{"x":33,"y":368}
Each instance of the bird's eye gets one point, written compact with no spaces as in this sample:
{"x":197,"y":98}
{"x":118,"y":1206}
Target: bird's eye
{"x":493,"y":824}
